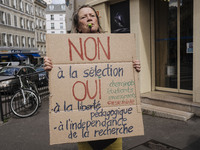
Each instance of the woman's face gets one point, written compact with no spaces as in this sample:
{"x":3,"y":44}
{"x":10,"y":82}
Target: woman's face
{"x":87,"y":16}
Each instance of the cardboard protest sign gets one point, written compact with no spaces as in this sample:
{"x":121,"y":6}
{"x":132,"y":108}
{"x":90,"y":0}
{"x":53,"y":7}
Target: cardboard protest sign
{"x":94,"y":88}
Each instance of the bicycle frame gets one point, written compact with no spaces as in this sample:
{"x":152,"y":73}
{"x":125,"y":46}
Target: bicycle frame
{"x":22,"y":88}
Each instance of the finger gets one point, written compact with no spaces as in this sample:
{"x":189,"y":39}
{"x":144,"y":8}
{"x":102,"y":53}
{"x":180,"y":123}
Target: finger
{"x":47,"y":59}
{"x":47,"y":63}
{"x":48,"y":68}
{"x":138,"y":70}
{"x":136,"y":66}
{"x":137,"y":62}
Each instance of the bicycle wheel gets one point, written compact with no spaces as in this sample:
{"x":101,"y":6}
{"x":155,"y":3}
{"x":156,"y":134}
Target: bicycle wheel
{"x":24,"y":108}
{"x":34,"y":88}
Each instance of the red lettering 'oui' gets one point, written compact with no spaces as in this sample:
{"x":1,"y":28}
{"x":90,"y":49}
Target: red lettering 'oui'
{"x":84,"y":87}
{"x":83,"y":50}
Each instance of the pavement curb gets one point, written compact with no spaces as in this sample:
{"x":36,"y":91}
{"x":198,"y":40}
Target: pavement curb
{"x":166,"y":112}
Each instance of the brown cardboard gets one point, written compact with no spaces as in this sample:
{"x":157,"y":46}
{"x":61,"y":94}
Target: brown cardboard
{"x":121,"y":48}
{"x":89,"y":82}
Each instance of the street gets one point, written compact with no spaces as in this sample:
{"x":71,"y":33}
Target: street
{"x":160,"y":134}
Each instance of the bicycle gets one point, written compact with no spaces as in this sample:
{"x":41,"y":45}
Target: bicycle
{"x":26,"y":100}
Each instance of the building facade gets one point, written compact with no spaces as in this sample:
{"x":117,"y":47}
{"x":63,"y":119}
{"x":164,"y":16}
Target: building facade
{"x":48,"y":1}
{"x":40,"y":26}
{"x":71,"y":6}
{"x":55,"y":18}
{"x":167,"y":45}
{"x":69,"y":12}
{"x":17,"y":34}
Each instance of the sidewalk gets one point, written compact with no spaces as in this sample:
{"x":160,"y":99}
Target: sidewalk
{"x":33,"y":134}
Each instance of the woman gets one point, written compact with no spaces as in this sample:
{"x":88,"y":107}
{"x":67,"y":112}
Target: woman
{"x":84,"y":16}
{"x":86,"y":20}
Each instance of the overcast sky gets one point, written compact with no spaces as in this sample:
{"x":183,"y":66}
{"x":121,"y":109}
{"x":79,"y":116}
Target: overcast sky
{"x":58,"y":1}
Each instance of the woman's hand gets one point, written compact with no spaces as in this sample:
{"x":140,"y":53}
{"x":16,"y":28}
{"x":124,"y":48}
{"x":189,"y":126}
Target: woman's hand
{"x":136,"y":65}
{"x":47,"y":64}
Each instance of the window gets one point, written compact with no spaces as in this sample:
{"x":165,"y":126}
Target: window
{"x":1,"y":17}
{"x":32,"y":25}
{"x":120,"y":17}
{"x":31,"y":8}
{"x":21,"y":5}
{"x":28,"y":24}
{"x":14,"y":3}
{"x":22,"y":22}
{"x":63,"y":7}
{"x":41,"y":37}
{"x":52,"y":25}
{"x":29,"y":42}
{"x":4,"y":21}
{"x":36,"y":10}
{"x":38,"y":47}
{"x":52,"y":31}
{"x":17,"y":40}
{"x":9,"y":19}
{"x":7,"y":2}
{"x":2,"y":1}
{"x":173,"y":45}
{"x":14,"y":41}
{"x":38,"y":36}
{"x":51,"y":7}
{"x":52,"y":17}
{"x":40,"y":12}
{"x":61,"y":25}
{"x":4,"y":39}
{"x":23,"y":41}
{"x":37,"y":23}
{"x":10,"y":40}
{"x":27,"y":9}
{"x":40,"y":24}
{"x":32,"y":42}
{"x":5,"y":18}
{"x":61,"y":32}
{"x":44,"y":25}
{"x":15,"y":21}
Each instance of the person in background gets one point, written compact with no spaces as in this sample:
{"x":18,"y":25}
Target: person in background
{"x":86,"y":20}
